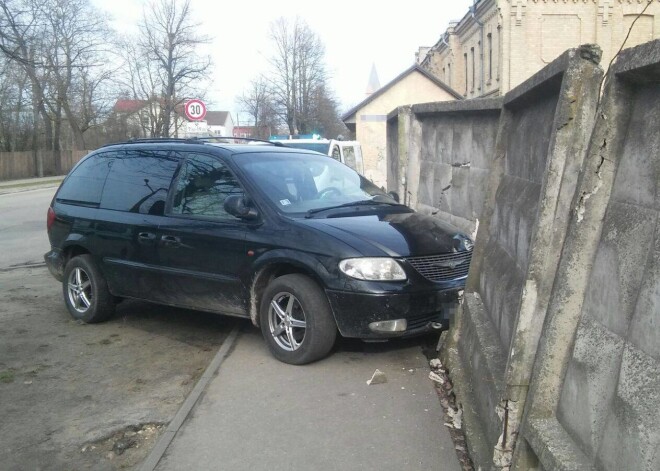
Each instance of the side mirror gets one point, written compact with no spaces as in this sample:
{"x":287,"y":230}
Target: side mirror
{"x":238,"y":205}
{"x":394,"y":195}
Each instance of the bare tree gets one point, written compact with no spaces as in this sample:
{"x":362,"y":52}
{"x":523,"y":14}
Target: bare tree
{"x":173,"y":68}
{"x":15,"y":116}
{"x":77,"y":37}
{"x":326,"y":117}
{"x":257,"y":101}
{"x":299,"y":79}
{"x":141,"y":81}
{"x":21,"y":41}
{"x":60,"y":47}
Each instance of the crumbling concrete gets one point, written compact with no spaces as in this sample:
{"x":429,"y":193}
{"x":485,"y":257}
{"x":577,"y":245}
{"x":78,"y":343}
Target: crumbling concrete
{"x":595,"y":392}
{"x":555,"y":351}
{"x":542,"y":139}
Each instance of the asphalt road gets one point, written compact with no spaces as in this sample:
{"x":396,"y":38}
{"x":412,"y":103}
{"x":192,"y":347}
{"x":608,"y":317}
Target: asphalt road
{"x":23,"y":226}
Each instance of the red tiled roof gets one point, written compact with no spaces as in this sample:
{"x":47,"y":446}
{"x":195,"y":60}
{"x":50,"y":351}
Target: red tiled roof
{"x":129,"y":106}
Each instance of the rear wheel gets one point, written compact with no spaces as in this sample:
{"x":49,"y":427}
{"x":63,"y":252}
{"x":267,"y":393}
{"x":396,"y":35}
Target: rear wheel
{"x":85,"y":290}
{"x":296,"y":320}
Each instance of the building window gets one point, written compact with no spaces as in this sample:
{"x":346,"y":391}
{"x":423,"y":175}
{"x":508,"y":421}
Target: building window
{"x":449,"y":74}
{"x":466,"y":72}
{"x":472,"y":57}
{"x":490,"y":57}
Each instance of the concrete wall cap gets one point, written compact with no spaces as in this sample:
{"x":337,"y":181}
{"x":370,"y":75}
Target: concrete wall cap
{"x":645,"y":56}
{"x":464,"y":106}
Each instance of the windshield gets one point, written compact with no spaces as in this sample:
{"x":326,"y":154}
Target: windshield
{"x":298,"y":183}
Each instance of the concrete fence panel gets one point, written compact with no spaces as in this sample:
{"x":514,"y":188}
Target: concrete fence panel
{"x":544,"y":130}
{"x":451,"y":145}
{"x":595,"y":396}
{"x":458,"y":139}
{"x":555,"y":353}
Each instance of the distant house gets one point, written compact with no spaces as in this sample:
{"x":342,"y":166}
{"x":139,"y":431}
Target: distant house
{"x":131,"y":118}
{"x":255,"y":132}
{"x":220,"y":123}
{"x":368,"y":119}
{"x":126,"y":106}
{"x":139,"y":118}
{"x":245,"y":131}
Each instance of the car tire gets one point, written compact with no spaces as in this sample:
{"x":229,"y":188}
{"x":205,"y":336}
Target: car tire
{"x":85,"y":290}
{"x":296,"y":320}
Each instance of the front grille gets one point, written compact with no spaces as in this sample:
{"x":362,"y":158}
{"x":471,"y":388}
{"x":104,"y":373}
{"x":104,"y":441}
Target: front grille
{"x":445,"y":267}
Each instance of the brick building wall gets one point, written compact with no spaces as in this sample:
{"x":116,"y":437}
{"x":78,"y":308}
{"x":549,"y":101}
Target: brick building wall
{"x":500,"y":43}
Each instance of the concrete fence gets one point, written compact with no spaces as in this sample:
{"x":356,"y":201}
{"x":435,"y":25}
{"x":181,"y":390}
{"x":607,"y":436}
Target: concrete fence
{"x":16,"y":165}
{"x":555,"y":354}
{"x":444,"y":154}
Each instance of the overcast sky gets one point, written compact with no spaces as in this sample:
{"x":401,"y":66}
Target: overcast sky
{"x":356,"y":34}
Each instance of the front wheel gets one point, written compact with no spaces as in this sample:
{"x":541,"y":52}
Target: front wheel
{"x":86,"y":293}
{"x":296,"y":320}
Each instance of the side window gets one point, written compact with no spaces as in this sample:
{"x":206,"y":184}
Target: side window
{"x":138,"y":182}
{"x":335,"y":153}
{"x":349,"y":157}
{"x":204,"y":184}
{"x":85,"y":184}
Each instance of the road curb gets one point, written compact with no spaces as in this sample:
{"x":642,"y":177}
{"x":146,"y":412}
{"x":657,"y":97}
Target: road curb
{"x":179,"y":418}
{"x":13,"y":186}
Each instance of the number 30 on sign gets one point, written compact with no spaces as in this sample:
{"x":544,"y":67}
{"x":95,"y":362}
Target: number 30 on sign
{"x":195,"y":110}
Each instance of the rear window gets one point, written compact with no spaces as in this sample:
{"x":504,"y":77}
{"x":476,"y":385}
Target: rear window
{"x":349,"y":157}
{"x":138,"y":181}
{"x":315,"y":146}
{"x":84,"y":185}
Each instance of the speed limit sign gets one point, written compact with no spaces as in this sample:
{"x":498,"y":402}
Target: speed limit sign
{"x":195,"y":110}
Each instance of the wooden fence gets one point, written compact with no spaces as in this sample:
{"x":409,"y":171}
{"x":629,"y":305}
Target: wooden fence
{"x":16,"y":165}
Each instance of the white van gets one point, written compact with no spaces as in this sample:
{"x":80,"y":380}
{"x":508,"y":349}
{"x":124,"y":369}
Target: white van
{"x":347,"y":152}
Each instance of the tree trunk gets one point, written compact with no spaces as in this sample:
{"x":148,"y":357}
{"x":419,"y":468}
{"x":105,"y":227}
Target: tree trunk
{"x":38,"y":162}
{"x":57,"y":133}
{"x":78,"y":136}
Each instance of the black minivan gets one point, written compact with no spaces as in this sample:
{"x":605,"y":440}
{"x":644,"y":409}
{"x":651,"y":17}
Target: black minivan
{"x":294,"y":240}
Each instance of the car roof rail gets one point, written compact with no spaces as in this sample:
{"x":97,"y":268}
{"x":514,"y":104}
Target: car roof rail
{"x":192,"y":140}
{"x":138,"y":140}
{"x":225,"y":139}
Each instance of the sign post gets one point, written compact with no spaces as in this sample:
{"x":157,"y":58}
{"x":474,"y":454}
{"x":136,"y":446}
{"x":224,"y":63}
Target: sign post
{"x":195,"y":110}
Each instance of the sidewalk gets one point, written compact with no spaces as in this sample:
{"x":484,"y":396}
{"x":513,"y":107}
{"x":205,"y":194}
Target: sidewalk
{"x":260,"y":414}
{"x":11,"y":186}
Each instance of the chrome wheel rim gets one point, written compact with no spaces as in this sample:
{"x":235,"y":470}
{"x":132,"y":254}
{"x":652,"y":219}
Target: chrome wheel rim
{"x":286,"y":320}
{"x":79,"y":289}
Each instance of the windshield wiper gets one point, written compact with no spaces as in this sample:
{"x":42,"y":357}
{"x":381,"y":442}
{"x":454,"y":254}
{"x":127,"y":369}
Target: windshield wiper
{"x":311,"y":212}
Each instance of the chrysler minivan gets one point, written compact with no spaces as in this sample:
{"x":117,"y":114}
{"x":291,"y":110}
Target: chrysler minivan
{"x":299,"y":243}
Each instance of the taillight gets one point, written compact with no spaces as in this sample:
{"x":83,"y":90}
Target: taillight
{"x":50,"y":218}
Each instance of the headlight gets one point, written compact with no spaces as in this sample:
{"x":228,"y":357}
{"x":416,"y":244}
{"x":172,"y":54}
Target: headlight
{"x":378,"y":269}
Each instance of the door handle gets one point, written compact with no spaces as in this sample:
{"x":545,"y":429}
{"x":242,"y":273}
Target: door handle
{"x":170,"y":241}
{"x":145,"y":237}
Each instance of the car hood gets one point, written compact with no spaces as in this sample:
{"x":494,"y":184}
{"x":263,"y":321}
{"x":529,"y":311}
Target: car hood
{"x":395,"y":235}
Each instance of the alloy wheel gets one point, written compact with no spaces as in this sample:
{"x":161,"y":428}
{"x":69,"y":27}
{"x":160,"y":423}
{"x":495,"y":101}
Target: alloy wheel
{"x":286,"y":319}
{"x":79,"y":289}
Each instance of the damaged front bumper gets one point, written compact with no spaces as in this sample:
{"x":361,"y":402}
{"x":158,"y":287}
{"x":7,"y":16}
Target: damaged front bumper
{"x":377,"y":316}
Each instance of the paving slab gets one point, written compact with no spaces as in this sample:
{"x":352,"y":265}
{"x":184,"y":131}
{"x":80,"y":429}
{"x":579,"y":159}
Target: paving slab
{"x":258,"y":413}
